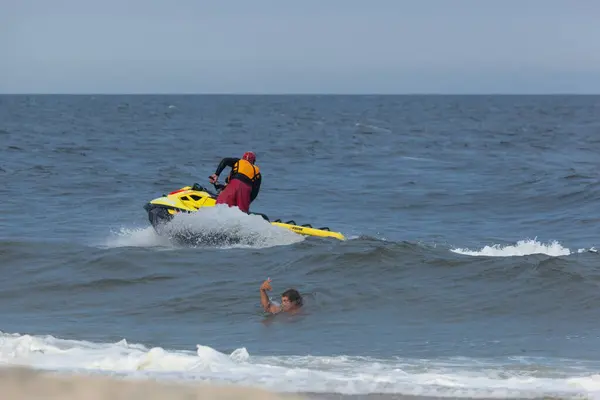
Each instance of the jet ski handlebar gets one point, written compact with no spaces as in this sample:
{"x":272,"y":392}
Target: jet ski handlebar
{"x":218,"y":188}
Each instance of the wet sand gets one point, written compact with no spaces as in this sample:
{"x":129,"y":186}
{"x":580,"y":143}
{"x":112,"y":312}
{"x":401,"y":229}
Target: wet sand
{"x":28,"y":384}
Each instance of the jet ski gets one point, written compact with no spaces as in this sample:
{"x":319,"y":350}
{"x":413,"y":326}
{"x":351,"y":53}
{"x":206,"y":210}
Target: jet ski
{"x":189,"y":199}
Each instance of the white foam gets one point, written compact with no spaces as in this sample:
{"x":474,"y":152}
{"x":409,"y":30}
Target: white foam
{"x":521,"y":248}
{"x":590,"y":250}
{"x":343,"y":374}
{"x":137,"y":237}
{"x":248,"y":230}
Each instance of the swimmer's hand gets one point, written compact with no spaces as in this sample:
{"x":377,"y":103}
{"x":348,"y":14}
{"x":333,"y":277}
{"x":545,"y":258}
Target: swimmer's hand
{"x":266,"y":285}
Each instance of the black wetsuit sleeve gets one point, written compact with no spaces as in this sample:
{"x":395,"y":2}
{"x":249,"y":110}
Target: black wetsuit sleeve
{"x":226,"y":162}
{"x":256,"y":187}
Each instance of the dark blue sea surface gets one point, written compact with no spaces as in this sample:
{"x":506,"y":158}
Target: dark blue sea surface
{"x":469,"y":267}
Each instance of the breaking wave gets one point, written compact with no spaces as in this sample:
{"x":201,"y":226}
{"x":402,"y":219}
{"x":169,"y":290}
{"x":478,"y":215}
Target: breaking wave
{"x":523,"y":377}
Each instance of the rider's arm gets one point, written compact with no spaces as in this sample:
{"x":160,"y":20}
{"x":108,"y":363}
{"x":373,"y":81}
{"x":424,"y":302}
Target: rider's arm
{"x":256,"y":187}
{"x":226,"y":162}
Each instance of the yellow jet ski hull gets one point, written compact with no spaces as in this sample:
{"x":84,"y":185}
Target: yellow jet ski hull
{"x":190,"y":199}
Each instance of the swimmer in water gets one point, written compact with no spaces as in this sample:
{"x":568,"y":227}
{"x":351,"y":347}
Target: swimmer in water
{"x":291,"y":300}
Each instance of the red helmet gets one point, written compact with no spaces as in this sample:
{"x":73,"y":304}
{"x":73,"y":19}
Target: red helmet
{"x":249,"y":156}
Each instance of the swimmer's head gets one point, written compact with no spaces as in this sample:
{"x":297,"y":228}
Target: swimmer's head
{"x":291,"y":298}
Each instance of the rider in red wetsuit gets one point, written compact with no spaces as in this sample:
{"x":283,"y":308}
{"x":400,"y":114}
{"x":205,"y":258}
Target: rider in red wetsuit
{"x":243,"y":182}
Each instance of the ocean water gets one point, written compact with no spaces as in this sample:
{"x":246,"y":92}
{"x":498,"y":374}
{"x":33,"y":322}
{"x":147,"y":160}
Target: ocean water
{"x":470,"y":267}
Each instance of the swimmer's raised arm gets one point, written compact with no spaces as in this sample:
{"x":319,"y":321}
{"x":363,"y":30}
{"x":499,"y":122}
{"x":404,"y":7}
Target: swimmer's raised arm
{"x":264,"y":298}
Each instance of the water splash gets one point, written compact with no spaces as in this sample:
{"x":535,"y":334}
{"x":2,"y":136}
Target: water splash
{"x":137,"y":237}
{"x":219,"y":226}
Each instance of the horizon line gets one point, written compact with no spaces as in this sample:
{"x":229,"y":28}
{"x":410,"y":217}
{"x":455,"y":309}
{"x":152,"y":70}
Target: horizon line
{"x":296,"y":94}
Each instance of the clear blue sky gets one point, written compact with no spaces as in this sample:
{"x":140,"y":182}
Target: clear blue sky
{"x":308,"y":46}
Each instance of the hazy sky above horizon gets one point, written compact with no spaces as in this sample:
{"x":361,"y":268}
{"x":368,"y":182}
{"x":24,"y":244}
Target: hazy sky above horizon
{"x":310,"y":46}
